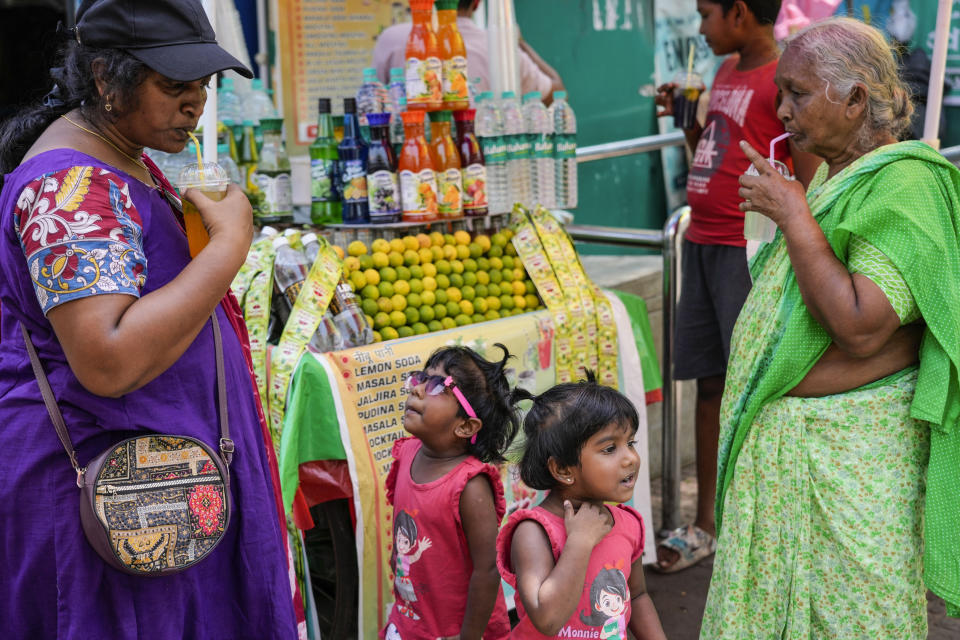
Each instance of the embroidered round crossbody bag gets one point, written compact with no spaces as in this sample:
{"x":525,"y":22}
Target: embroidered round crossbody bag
{"x":156,"y":504}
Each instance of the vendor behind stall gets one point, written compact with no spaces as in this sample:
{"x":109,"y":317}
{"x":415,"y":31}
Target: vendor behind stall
{"x":535,"y":73}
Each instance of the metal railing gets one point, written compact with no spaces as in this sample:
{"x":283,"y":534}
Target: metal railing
{"x":629,"y":147}
{"x":663,"y":240}
{"x":952,"y":154}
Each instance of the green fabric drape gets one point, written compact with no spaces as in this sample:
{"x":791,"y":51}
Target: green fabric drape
{"x":904,"y":199}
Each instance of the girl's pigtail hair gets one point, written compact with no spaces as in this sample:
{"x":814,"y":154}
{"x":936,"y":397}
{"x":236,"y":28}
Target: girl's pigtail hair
{"x":519,"y":394}
{"x":502,"y":365}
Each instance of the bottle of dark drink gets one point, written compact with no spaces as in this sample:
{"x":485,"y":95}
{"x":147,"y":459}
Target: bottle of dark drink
{"x":290,"y":269}
{"x":383,"y":188}
{"x":325,"y":205}
{"x":353,"y":153}
{"x":349,"y":318}
{"x":472,"y":165}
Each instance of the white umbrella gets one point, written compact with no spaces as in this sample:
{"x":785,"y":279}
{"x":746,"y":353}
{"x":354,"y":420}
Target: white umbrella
{"x":938,"y":68}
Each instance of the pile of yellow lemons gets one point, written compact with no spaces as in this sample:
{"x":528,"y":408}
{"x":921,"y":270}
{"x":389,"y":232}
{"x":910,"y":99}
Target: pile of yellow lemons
{"x":430,"y":282}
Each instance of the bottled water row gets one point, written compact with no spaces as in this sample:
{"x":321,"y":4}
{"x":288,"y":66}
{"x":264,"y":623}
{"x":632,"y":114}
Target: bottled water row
{"x":530,"y":151}
{"x":254,"y":105}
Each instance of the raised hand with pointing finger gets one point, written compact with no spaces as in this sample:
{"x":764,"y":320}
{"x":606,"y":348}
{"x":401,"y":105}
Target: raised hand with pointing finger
{"x":770,"y":193}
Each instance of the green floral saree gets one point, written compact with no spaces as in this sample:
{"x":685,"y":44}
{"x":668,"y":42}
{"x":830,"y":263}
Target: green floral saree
{"x":826,"y":505}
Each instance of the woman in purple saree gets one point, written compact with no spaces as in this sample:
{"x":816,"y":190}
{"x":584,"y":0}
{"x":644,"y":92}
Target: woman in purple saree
{"x":94,"y":263}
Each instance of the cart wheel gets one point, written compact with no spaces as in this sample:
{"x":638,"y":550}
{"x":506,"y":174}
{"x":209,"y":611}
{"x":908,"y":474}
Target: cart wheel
{"x":332,"y":554}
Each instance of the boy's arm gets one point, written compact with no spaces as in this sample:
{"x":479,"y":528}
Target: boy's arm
{"x":664,"y":98}
{"x":804,"y":165}
{"x":693,"y":136}
{"x":644,"y":621}
{"x":480,"y":526}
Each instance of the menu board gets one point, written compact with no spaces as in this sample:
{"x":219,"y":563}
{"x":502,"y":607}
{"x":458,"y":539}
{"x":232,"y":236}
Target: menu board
{"x":324,"y":46}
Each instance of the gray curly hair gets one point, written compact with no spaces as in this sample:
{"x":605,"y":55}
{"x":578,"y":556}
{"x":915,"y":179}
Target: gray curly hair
{"x":847,"y":52}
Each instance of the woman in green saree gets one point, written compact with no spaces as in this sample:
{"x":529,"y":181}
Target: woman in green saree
{"x":839,"y":470}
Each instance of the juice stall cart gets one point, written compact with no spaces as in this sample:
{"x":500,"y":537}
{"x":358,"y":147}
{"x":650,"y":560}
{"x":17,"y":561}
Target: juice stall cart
{"x":336,"y":415}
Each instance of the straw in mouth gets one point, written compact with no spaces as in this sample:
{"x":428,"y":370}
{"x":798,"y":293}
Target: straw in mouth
{"x":775,"y":141}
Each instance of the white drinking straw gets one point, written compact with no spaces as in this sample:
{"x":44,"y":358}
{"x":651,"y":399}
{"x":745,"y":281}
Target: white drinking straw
{"x":775,"y":141}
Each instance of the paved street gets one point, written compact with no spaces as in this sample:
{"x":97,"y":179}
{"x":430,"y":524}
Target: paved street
{"x":680,"y":597}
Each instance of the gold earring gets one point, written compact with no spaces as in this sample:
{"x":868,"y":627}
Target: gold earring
{"x":108,"y":107}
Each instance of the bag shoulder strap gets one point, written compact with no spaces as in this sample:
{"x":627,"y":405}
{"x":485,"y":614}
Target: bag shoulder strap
{"x":226,"y":444}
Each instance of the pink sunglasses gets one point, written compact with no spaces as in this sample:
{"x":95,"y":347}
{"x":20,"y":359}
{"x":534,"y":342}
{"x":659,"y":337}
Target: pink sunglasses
{"x":435,"y":385}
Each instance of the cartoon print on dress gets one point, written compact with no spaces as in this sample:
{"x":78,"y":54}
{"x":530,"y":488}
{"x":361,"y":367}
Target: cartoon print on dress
{"x":609,"y":596}
{"x":404,"y":542}
{"x":72,"y":253}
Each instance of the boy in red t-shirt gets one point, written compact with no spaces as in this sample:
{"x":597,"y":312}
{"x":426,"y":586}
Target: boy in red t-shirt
{"x":715,"y":279}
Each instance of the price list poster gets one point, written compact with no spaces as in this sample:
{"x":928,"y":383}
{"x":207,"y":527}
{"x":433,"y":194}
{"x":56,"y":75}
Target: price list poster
{"x":324,"y":46}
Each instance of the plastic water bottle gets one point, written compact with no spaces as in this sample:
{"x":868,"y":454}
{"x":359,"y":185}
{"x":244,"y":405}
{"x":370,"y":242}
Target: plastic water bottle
{"x":397,"y":135}
{"x":539,"y":125}
{"x":396,"y":104}
{"x":225,"y":161}
{"x":229,"y":106}
{"x":258,"y":104}
{"x":175,"y":162}
{"x":518,"y":152}
{"x":489,"y":130}
{"x":371,"y":98}
{"x":290,"y":268}
{"x":565,"y":150}
{"x":397,"y":88}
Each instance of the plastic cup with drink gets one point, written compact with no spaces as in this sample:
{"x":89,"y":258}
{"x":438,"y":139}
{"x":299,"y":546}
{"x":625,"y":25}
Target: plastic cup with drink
{"x":686,"y":99}
{"x":211,"y":180}
{"x":757,"y":226}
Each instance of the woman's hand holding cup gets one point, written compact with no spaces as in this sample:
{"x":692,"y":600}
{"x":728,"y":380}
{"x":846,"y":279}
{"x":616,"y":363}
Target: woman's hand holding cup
{"x":776,"y":196}
{"x":229,"y":220}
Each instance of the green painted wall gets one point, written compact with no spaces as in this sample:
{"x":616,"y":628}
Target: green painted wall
{"x":603,"y":50}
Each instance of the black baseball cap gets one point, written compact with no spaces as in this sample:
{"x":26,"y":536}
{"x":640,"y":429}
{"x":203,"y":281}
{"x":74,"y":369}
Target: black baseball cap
{"x":172,"y":37}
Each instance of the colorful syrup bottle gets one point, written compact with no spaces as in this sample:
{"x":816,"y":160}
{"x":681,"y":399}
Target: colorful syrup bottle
{"x":473,"y":170}
{"x":453,"y":57}
{"x":446,"y":164}
{"x":383,"y":187}
{"x":424,"y":73}
{"x":325,"y":205}
{"x":418,"y":182}
{"x":353,"y":153}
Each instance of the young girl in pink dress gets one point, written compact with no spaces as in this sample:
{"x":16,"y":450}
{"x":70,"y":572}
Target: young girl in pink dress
{"x":574,"y":561}
{"x":448,"y":499}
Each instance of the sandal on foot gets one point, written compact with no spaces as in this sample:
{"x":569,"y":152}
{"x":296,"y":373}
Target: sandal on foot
{"x":691,"y":543}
